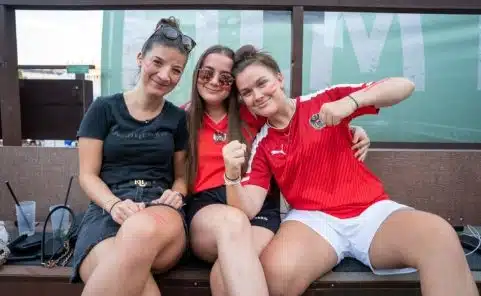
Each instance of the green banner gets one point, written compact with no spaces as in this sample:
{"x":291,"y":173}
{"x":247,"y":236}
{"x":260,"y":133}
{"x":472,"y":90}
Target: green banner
{"x":440,"y":53}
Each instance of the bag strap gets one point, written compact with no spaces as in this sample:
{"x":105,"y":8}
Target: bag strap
{"x":66,"y":244}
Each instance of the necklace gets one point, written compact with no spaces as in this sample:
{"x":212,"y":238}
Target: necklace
{"x":285,"y":151}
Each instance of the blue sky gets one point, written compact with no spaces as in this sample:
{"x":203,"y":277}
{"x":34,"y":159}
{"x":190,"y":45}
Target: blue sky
{"x":59,"y":37}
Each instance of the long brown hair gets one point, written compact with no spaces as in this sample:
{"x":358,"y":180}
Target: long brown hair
{"x":196,"y":115}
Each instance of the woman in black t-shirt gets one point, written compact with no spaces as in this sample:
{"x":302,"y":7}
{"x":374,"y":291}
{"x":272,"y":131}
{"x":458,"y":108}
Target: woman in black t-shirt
{"x":132,"y":155}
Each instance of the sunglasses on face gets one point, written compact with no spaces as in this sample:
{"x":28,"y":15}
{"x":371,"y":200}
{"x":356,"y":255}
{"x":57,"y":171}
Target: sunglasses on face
{"x":174,"y":34}
{"x":206,"y":74}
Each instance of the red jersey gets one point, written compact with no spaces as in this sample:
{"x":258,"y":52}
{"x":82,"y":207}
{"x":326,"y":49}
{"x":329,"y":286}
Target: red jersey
{"x":210,"y":171}
{"x":314,"y":165}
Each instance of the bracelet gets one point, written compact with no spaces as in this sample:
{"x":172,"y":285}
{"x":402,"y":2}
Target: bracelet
{"x":110,"y":201}
{"x":354,"y":100}
{"x":229,"y":181}
{"x":112,"y":206}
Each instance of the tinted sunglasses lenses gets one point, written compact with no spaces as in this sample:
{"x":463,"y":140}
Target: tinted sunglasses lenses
{"x":206,"y":75}
{"x":173,"y":34}
{"x":188,"y":42}
{"x":170,"y":32}
{"x":226,"y":79}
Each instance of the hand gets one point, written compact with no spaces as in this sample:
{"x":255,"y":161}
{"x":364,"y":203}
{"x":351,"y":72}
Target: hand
{"x":361,"y":142}
{"x":124,"y":209}
{"x":333,"y":113}
{"x":186,"y":106}
{"x":234,"y":157}
{"x":170,"y":198}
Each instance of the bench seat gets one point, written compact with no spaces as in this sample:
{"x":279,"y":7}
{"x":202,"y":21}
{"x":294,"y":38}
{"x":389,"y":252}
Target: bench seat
{"x":23,"y":280}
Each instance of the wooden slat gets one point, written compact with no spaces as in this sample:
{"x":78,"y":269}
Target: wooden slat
{"x":184,"y":276}
{"x":426,"y":6}
{"x":297,"y":41}
{"x":9,"y":92}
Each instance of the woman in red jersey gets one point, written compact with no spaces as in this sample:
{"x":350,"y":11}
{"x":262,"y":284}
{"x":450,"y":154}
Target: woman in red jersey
{"x":219,"y":233}
{"x":339,"y":208}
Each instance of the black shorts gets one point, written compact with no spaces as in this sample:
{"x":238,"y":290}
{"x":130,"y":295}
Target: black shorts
{"x":269,"y":216}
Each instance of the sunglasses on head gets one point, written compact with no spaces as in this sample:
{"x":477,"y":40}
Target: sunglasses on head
{"x":207,"y":74}
{"x":172,"y":33}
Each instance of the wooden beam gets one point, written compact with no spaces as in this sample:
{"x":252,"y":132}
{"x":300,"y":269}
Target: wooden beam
{"x":417,"y":6}
{"x":297,"y":41}
{"x":9,"y":90}
{"x":47,"y":67}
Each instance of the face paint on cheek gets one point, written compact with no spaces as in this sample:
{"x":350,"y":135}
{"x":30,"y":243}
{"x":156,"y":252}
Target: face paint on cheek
{"x":270,"y":90}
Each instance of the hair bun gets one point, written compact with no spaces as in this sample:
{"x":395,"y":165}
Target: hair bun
{"x":245,"y":52}
{"x":171,"y":21}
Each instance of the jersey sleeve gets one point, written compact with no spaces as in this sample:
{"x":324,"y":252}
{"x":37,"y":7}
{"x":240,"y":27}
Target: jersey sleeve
{"x":95,"y":123}
{"x":252,"y":120}
{"x":340,"y":91}
{"x":258,"y":170}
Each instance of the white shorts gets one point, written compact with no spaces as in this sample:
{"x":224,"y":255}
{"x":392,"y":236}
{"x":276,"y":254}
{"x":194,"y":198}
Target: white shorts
{"x":351,"y":237}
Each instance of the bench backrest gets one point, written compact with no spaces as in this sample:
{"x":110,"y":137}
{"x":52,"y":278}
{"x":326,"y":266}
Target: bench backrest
{"x":447,"y":183}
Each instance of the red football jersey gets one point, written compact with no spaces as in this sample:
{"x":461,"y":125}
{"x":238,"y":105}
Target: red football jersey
{"x":314,"y":165}
{"x":212,"y":137}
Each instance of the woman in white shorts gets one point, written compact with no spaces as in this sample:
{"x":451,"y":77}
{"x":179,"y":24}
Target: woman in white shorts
{"x":339,"y":208}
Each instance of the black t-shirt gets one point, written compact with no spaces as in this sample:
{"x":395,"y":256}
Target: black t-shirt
{"x":134,"y":149}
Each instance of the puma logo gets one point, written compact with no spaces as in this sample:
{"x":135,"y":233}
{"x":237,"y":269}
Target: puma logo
{"x":280,"y":151}
{"x":275,"y":152}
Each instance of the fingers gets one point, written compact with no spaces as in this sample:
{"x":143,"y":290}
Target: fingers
{"x":118,"y":215}
{"x":355,"y":137}
{"x":234,"y":154}
{"x":361,"y":153}
{"x":123,"y":210}
{"x":328,"y":118}
{"x":360,"y":144}
{"x":233,"y":147}
{"x":170,"y":198}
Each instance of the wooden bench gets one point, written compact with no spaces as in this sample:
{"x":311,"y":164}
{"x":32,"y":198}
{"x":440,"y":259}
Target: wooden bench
{"x":443,"y":182}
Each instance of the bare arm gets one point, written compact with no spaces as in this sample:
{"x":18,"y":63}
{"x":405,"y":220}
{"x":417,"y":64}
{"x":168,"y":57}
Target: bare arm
{"x":248,"y":198}
{"x":385,"y":93}
{"x":179,"y":172}
{"x":174,"y":197}
{"x":90,"y":162}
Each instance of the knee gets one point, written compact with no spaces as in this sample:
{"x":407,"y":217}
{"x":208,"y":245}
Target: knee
{"x":151,"y":230}
{"x":232,"y":224}
{"x":280,"y":275}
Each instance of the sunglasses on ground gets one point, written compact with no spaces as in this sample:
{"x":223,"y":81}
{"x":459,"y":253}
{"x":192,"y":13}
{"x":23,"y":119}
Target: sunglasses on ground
{"x":207,"y":74}
{"x":172,"y":33}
